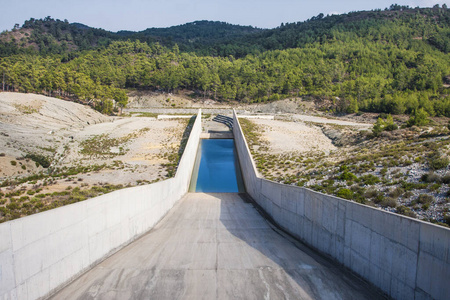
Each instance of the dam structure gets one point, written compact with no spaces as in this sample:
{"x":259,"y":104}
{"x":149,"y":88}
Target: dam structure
{"x":263,"y":240}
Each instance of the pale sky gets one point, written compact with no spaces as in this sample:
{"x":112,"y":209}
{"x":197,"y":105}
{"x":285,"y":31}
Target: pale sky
{"x":136,"y":15}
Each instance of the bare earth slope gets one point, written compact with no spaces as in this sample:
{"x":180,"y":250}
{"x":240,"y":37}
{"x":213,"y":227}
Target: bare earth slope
{"x":79,"y":147}
{"x":404,"y":171}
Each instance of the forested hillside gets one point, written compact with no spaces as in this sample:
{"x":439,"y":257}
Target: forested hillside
{"x":392,"y":61}
{"x":49,"y":36}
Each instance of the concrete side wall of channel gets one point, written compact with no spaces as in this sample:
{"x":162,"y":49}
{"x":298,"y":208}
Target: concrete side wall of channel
{"x":404,"y":257}
{"x":41,"y":253}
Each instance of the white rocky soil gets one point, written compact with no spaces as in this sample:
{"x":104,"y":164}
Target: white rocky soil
{"x":35,"y":124}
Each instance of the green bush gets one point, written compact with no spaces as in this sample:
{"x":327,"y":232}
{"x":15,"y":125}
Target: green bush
{"x":406,"y":211}
{"x":447,"y":219}
{"x":388,"y":202}
{"x":430,"y":177}
{"x":437,"y":161}
{"x":379,"y":198}
{"x":370,"y":179}
{"x":328,"y":183}
{"x":13,"y":206}
{"x":446,"y":178}
{"x":395,"y":193}
{"x":371,"y":193}
{"x":424,"y":198}
{"x":408,"y":194}
{"x":408,"y":186}
{"x":347,"y":176}
{"x":384,"y":125}
{"x":420,"y":118}
{"x":345,"y":193}
{"x":39,"y":159}
{"x":434,"y":187}
{"x":13,"y":163}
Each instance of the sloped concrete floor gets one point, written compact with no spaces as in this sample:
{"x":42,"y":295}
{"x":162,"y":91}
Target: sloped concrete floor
{"x":216,"y":246}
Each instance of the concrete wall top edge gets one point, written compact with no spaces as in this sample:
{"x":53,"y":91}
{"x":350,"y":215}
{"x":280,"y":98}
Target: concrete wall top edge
{"x":101,"y":197}
{"x":83,"y":233}
{"x":255,"y":170}
{"x":375,"y":209}
{"x":354,"y":203}
{"x":91,"y":201}
{"x":337,"y":198}
{"x":184,"y":160}
{"x":399,"y":254}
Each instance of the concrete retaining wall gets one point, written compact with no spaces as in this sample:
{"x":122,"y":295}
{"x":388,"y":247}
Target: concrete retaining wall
{"x":404,"y":257}
{"x":42,"y":252}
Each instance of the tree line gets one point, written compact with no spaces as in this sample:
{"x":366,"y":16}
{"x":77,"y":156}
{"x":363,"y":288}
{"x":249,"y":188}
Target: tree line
{"x":356,"y":75}
{"x":394,"y":62}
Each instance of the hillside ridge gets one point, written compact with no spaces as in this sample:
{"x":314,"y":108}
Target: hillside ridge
{"x":212,"y":37}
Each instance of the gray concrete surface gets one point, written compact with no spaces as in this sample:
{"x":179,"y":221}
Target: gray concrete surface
{"x":215,"y":246}
{"x":404,"y":257}
{"x":41,"y":252}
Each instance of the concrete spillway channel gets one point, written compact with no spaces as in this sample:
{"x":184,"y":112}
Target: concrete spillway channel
{"x":159,"y":241}
{"x":216,"y":246}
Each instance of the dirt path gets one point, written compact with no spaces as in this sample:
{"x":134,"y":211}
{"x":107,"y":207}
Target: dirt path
{"x":293,"y":136}
{"x":322,"y":120}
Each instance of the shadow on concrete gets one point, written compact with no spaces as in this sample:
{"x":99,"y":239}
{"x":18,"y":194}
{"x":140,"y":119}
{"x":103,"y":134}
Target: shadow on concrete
{"x":185,"y":136}
{"x":224,"y":120}
{"x":271,"y":264}
{"x":216,"y":246}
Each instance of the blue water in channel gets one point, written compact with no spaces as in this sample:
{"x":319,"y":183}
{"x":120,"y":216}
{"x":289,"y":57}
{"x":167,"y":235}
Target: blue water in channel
{"x":217,"y":168}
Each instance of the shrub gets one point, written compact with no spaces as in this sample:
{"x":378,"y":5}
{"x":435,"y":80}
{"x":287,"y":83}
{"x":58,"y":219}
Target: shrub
{"x":13,"y":163}
{"x":384,"y":123}
{"x":424,"y":198}
{"x":437,"y":161}
{"x":447,"y":219}
{"x":446,"y":178}
{"x":406,"y":211}
{"x":39,"y":160}
{"x":371,"y":193}
{"x":345,"y":193}
{"x":388,"y":202}
{"x":370,"y":179}
{"x":328,"y":183}
{"x":420,"y":118}
{"x":13,"y":206}
{"x":408,"y":186}
{"x":430,"y":177}
{"x":347,"y":176}
{"x":395,"y":193}
{"x":379,"y":198}
{"x":434,"y":187}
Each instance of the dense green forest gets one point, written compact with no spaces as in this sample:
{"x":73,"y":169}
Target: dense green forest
{"x":394,"y":61}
